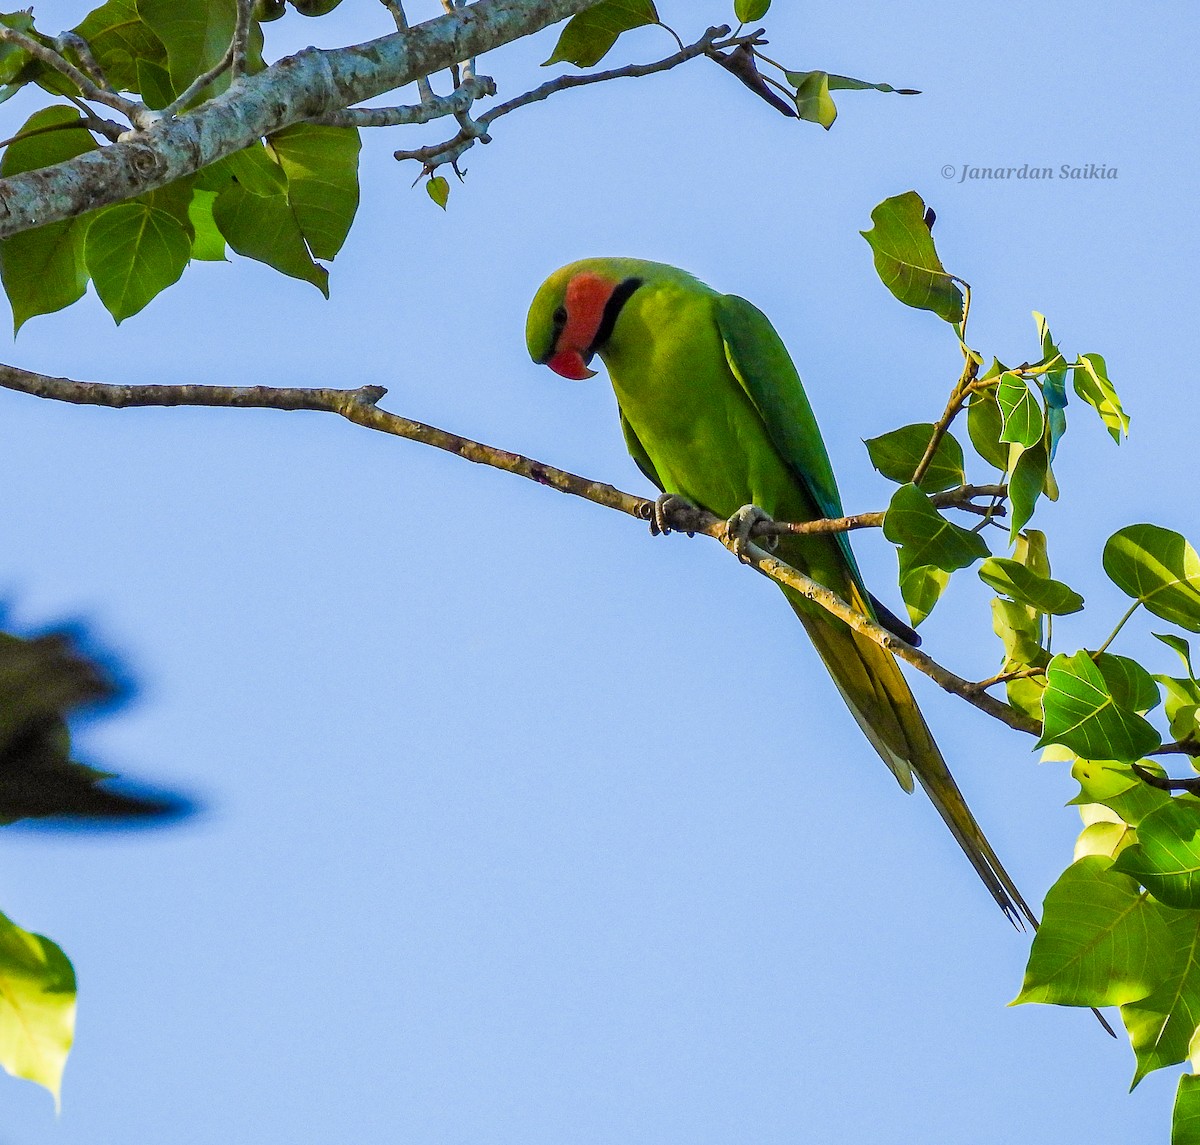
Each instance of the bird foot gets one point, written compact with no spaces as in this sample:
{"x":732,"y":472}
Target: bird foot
{"x":673,"y":514}
{"x":739,"y":527}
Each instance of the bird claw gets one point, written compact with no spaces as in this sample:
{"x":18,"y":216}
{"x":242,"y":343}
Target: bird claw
{"x":739,"y":527}
{"x":673,"y":514}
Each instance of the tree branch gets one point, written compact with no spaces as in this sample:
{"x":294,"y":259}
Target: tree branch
{"x":360,"y":407}
{"x":312,"y":83}
{"x":459,"y":100}
{"x":452,"y":149}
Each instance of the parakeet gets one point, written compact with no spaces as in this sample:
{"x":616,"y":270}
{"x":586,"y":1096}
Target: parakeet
{"x":713,"y":411}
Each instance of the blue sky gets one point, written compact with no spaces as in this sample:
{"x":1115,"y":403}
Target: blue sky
{"x":521,"y":826}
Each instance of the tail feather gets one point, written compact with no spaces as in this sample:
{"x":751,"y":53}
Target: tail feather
{"x":879,"y":698}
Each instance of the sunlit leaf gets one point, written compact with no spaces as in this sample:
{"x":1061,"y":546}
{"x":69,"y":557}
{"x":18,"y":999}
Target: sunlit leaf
{"x":1185,"y":1121}
{"x":1092,"y":384}
{"x":37,"y":1006}
{"x":747,"y":11}
{"x":897,"y":454}
{"x":321,"y":165}
{"x":1100,"y":943}
{"x":926,"y":536}
{"x":1180,"y":645}
{"x":1106,"y":839}
{"x":1162,"y":1024}
{"x":907,"y":261}
{"x":1020,"y":411}
{"x":590,"y":35}
{"x":921,"y":586}
{"x":1017,"y":581}
{"x":1166,"y":858}
{"x":133,"y":253}
{"x":208,"y":244}
{"x":1132,"y":687}
{"x":1115,"y":786}
{"x":1183,"y":705}
{"x":1158,"y":567}
{"x":1082,"y":714}
{"x":1021,"y":633}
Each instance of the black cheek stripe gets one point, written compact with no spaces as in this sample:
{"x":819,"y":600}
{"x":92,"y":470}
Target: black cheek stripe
{"x":612,"y":310}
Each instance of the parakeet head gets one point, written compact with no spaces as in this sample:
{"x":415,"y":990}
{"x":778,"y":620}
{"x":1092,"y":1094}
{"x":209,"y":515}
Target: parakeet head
{"x":574,"y":313}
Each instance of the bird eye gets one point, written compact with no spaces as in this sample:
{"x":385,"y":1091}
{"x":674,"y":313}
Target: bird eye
{"x":560,"y":316}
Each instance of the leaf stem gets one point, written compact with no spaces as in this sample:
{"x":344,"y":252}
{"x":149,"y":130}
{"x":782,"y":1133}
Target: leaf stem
{"x":1120,"y":624}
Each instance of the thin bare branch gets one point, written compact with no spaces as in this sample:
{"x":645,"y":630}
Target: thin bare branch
{"x":360,"y":407}
{"x":449,"y":151}
{"x":953,"y":407}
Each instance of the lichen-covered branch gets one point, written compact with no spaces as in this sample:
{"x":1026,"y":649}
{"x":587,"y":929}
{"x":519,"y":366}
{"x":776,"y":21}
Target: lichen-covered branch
{"x":361,"y":407}
{"x":314,"y":82}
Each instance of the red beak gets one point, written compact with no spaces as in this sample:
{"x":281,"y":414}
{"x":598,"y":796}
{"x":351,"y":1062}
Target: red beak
{"x":570,"y":364}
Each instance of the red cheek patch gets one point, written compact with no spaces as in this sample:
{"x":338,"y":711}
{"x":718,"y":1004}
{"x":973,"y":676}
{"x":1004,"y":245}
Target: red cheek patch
{"x":587,"y":296}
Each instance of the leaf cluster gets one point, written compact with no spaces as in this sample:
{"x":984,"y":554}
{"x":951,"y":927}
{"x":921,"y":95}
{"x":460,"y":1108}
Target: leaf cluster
{"x":1122,"y":924}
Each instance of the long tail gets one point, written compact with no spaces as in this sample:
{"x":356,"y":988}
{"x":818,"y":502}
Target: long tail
{"x":880,"y":699}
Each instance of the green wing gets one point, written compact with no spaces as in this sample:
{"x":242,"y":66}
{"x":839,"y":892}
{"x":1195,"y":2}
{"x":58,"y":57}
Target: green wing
{"x":764,"y":369}
{"x":638,"y":452}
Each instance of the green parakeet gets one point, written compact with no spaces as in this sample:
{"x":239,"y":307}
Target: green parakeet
{"x":713,"y":410}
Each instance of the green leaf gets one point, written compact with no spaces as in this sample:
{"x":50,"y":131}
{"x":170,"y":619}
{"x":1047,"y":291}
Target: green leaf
{"x":1054,"y":384}
{"x":1026,"y":694}
{"x":119,"y":40}
{"x":907,"y":261}
{"x":1082,"y":714}
{"x":747,"y":11}
{"x":13,"y":59}
{"x":133,"y":253}
{"x":1162,"y":1024}
{"x":1166,"y":857}
{"x":1020,"y":411}
{"x":263,"y":227}
{"x":926,"y":537}
{"x":154,"y":83}
{"x":1021,"y":633}
{"x":589,"y":36}
{"x":1182,"y":706}
{"x":985,"y":423}
{"x":921,"y":586}
{"x":208,"y":244}
{"x":1115,"y":786}
{"x":43,"y":270}
{"x":1158,"y":567}
{"x":438,"y":190}
{"x":1026,"y":483}
{"x":321,"y":165}
{"x":1092,"y":384}
{"x":813,"y":102}
{"x":1030,"y":551}
{"x":1132,"y":687}
{"x":897,"y":454}
{"x":37,"y":1006}
{"x":1042,"y":593}
{"x":196,"y":34}
{"x":1104,"y":838}
{"x":1180,"y":645}
{"x":1100,"y":943}
{"x":1185,"y":1121}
